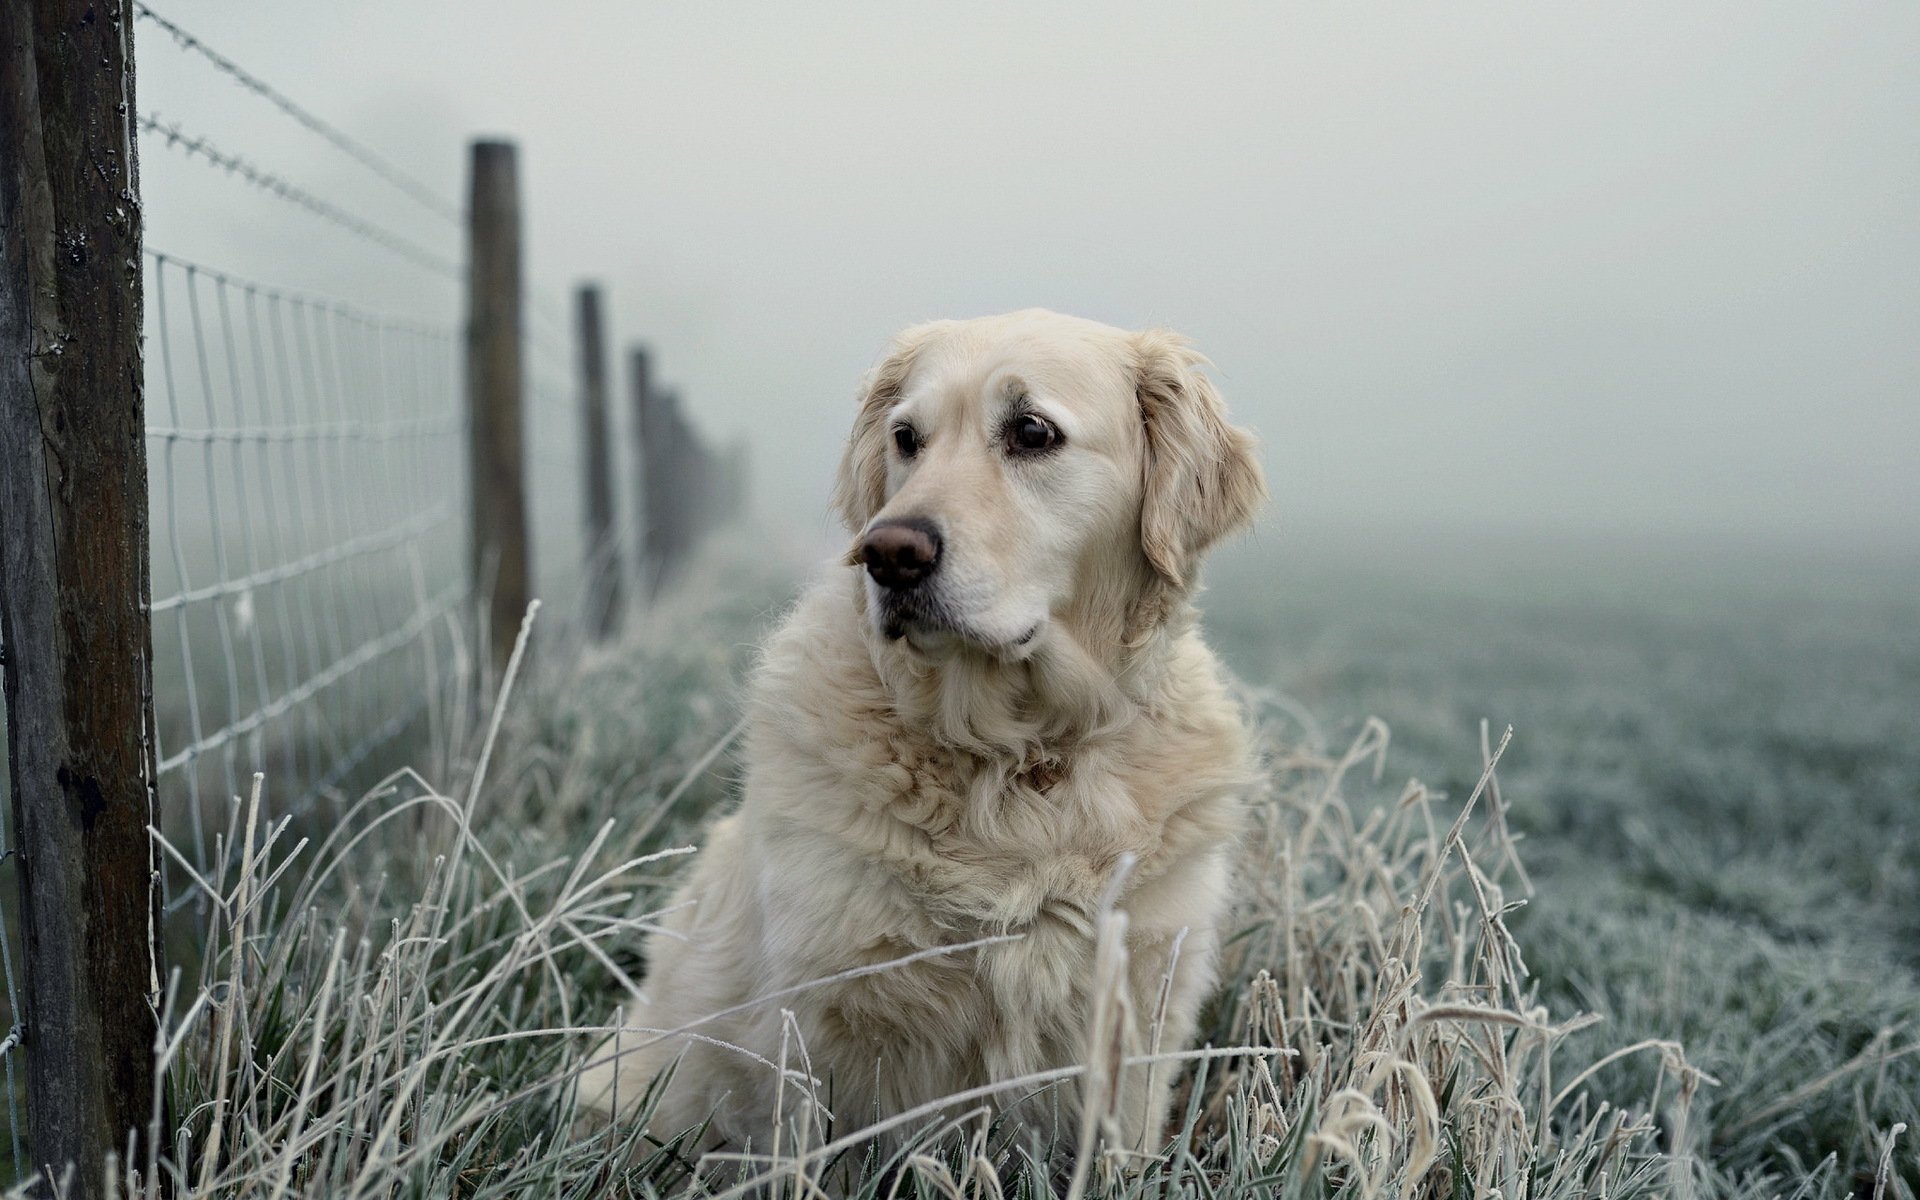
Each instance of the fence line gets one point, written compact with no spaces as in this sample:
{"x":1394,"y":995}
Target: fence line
{"x":312,"y":610}
{"x":367,"y":158}
{"x":292,"y":464}
{"x":274,"y":185}
{"x":289,"y":295}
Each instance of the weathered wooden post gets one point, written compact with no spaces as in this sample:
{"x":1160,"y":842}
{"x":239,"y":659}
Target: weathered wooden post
{"x":603,"y":552}
{"x":679,"y":482}
{"x":639,"y":388}
{"x":501,"y":562}
{"x":654,"y":425}
{"x":74,"y":587}
{"x":697,"y":484}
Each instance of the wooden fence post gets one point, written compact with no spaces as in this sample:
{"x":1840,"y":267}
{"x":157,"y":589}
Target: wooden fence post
{"x":651,"y":451}
{"x":677,"y":477}
{"x":501,"y":566}
{"x":693,"y":489}
{"x":603,"y":551}
{"x":74,"y":584}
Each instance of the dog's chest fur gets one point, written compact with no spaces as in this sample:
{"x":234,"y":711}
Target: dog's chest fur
{"x":920,"y":844}
{"x":985,"y":846}
{"x":937,"y":848}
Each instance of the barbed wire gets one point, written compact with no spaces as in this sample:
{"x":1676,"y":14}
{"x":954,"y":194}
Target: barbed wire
{"x":367,"y":158}
{"x":195,"y":146}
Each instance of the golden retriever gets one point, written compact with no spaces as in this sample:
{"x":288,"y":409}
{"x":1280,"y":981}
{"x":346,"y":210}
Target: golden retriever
{"x":995,"y":713}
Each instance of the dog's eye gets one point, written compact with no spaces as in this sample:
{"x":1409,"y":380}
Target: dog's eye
{"x":1030,"y":433}
{"x":905,"y":440}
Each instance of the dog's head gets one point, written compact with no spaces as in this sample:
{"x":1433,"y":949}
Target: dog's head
{"x":1010,"y":475}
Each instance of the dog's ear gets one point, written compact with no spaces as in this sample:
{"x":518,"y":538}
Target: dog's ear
{"x":860,"y":488}
{"x":1202,"y":479}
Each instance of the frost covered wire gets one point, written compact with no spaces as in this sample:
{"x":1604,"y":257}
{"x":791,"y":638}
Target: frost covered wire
{"x":353,"y":149}
{"x":305,"y":462}
{"x":274,"y":185}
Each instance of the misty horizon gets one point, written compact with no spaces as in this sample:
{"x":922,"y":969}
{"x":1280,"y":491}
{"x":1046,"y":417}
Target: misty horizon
{"x":1622,"y":274}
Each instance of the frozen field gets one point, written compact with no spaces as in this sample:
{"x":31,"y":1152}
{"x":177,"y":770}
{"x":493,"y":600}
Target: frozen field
{"x":1714,"y":776}
{"x":1716,"y":768}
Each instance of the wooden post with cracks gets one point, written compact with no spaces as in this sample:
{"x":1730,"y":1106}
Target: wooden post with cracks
{"x":74,"y":587}
{"x":501,"y":564}
{"x":655,"y":466}
{"x":602,"y":551}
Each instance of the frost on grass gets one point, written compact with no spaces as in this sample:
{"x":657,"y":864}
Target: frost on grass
{"x":394,"y":1008}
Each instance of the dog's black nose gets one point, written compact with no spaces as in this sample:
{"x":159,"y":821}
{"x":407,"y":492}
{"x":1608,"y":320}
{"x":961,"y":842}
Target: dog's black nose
{"x":899,"y":554}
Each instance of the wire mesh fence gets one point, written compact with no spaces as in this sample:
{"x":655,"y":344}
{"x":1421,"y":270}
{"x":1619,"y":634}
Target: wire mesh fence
{"x":313,"y":603}
{"x":308,"y":581}
{"x":306,"y":462}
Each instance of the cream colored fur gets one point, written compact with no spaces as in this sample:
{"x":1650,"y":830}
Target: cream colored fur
{"x":960,"y":780}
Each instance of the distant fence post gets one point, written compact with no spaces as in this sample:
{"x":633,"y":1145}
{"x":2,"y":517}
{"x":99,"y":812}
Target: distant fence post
{"x":675,"y":455}
{"x":603,"y":552}
{"x":674,"y":463}
{"x":650,"y":452}
{"x":687,"y":489}
{"x":496,"y":474}
{"x":693,"y":483}
{"x":74,"y":584}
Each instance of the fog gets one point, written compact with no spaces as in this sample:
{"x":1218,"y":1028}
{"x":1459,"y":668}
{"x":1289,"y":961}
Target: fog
{"x":1632,"y":271}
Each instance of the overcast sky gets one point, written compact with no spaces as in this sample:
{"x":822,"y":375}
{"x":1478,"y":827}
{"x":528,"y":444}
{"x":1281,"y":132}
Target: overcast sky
{"x":1627,"y":269}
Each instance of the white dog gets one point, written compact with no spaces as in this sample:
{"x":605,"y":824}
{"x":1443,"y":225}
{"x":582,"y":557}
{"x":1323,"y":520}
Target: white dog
{"x":968,"y":731}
